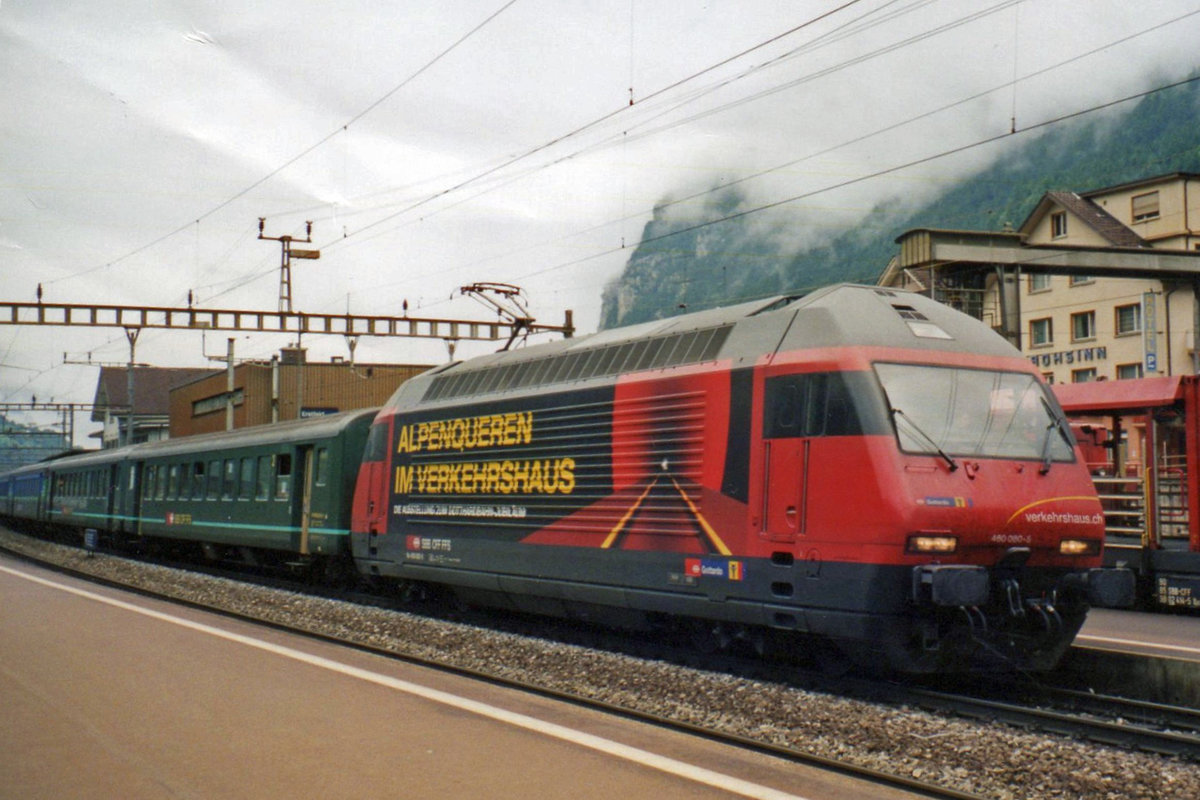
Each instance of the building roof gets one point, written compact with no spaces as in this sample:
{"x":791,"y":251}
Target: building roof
{"x":1123,"y":187}
{"x":1089,"y":213}
{"x":1100,"y":397}
{"x":151,"y":388}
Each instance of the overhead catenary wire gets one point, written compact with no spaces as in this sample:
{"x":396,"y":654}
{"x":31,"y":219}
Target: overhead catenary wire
{"x":730,"y":183}
{"x":880,"y":173}
{"x":306,"y":151}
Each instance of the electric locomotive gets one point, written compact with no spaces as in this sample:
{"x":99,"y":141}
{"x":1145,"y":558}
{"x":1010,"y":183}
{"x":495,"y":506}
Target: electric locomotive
{"x":858,"y":465}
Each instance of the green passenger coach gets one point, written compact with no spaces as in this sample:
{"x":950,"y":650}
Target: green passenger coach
{"x":281,"y":489}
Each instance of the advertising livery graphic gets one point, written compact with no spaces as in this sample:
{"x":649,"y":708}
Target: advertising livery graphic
{"x":604,"y":473}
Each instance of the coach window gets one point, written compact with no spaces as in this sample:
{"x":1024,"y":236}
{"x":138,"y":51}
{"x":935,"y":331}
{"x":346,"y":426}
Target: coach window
{"x":283,"y":476}
{"x":262,"y":484}
{"x":147,"y":482}
{"x":214,"y":480}
{"x":321,"y":466}
{"x":229,"y":487}
{"x":160,"y":482}
{"x":172,"y":482}
{"x":246,"y":483}
{"x":198,"y":480}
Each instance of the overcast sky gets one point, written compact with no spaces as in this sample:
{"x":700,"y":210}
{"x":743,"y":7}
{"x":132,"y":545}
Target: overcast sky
{"x":437,"y":144}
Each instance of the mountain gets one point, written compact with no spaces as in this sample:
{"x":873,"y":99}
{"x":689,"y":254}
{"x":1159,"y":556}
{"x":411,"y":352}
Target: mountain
{"x":23,"y":444}
{"x":687,"y":263}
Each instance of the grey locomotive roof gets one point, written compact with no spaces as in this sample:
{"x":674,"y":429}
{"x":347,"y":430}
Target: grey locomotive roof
{"x":287,"y":432}
{"x":843,"y":315}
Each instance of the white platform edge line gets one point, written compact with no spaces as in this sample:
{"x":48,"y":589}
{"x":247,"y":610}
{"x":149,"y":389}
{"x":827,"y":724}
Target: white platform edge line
{"x":636,"y":755}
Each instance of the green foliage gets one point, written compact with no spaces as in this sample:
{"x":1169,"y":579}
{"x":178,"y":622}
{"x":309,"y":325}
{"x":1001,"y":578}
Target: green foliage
{"x":684,"y":262}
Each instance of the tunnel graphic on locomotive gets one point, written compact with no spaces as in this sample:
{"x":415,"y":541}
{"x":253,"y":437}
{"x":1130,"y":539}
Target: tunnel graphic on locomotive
{"x":857,"y":466}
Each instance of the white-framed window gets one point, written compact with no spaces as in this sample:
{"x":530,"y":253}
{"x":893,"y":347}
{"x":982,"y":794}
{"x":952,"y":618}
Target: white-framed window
{"x":1128,"y":319}
{"x":1041,"y":332}
{"x":1076,"y":280}
{"x":1145,"y":206}
{"x":1039,"y":283}
{"x":1083,"y":326}
{"x":1058,"y":224}
{"x":1083,"y":375}
{"x":1129,"y":371}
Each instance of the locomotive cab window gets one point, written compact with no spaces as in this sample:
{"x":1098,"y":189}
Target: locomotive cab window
{"x":974,"y":412}
{"x":817,"y":404}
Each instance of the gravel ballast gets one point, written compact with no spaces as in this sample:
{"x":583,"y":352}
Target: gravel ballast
{"x":990,"y":760}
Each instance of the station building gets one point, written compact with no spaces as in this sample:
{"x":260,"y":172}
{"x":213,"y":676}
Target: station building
{"x":150,"y":417}
{"x":285,"y":387}
{"x":1076,"y":326}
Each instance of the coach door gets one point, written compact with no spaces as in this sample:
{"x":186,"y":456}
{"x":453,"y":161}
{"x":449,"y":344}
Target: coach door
{"x":113,"y":485}
{"x":129,"y":498}
{"x":304,"y":481}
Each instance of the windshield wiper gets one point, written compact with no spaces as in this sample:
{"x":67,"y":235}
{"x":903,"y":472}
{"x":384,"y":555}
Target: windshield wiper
{"x":1056,"y":424}
{"x":917,"y":429}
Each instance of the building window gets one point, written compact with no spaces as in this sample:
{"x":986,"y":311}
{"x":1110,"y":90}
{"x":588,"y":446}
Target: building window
{"x":1128,"y":371}
{"x":1083,"y":326}
{"x":1058,"y":224}
{"x":1041,"y":332}
{"x":1145,"y":206}
{"x":1083,"y":375}
{"x":1076,"y":280}
{"x":1048,"y":377}
{"x":1128,"y":319}
{"x":1039,"y":283}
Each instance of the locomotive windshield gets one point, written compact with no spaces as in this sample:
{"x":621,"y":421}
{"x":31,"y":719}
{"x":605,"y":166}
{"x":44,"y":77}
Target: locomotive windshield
{"x":971,"y":412}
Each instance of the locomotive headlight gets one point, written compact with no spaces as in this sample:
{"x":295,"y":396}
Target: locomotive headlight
{"x":1079,"y":547}
{"x":931,"y":543}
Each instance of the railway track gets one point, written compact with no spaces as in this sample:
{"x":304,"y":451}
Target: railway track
{"x":1153,"y":728}
{"x":1106,"y":719}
